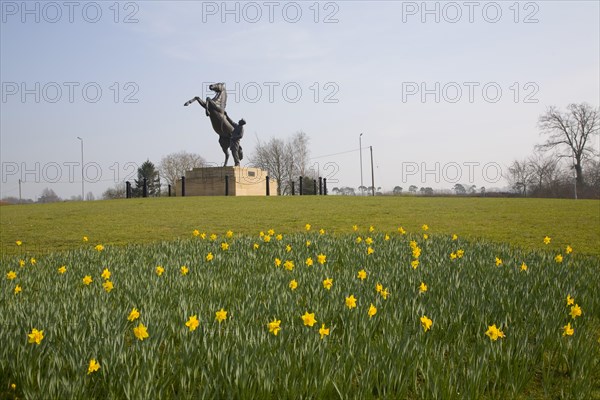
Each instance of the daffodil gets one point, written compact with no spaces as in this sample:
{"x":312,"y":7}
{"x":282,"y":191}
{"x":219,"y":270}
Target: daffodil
{"x":18,"y":243}
{"x":425,"y":236}
{"x":575,"y":311}
{"x":378,"y":287}
{"x":569,"y":249}
{"x":523,"y":267}
{"x":21,"y":263}
{"x":209,"y":257}
{"x":141,"y":332}
{"x":11,"y":275}
{"x":547,"y":240}
{"x":416,"y":252}
{"x":213,"y":237}
{"x":293,"y":284}
{"x":401,"y":231}
{"x":351,"y":301}
{"x":309,"y":319}
{"x":192,"y":323}
{"x":279,"y":237}
{"x":108,"y":286}
{"x":460,"y":253}
{"x":369,"y":241}
{"x":498,"y":262}
{"x":133,"y":315}
{"x":159,"y":270}
{"x":271,"y":232}
{"x":196,"y":232}
{"x":426,"y":323}
{"x":105,"y":274}
{"x":309,"y":261}
{"x":371,"y":228}
{"x":221,"y":315}
{"x":370,"y":250}
{"x":62,"y":269}
{"x":454,"y":236}
{"x":453,"y":256}
{"x":414,"y":264}
{"x":323,"y":331}
{"x":308,"y":243}
{"x":327,"y":283}
{"x":321,"y":231}
{"x":494,"y":333}
{"x":99,"y":247}
{"x":288,"y":265}
{"x":85,"y":239}
{"x":184,"y":270}
{"x":229,"y":234}
{"x":355,"y":228}
{"x":224,"y":246}
{"x":32,"y":261}
{"x":266,"y":238}
{"x":358,"y":240}
{"x":93,"y":366}
{"x":386,"y":237}
{"x":36,"y":336}
{"x":288,"y":248}
{"x":568,"y":330}
{"x":422,"y":287}
{"x":18,"y":289}
{"x":277,"y":262}
{"x":256,"y":246}
{"x":372,"y":310}
{"x":570,"y":300}
{"x":274,"y":326}
{"x":558,"y":258}
{"x":307,"y":227}
{"x":87,"y":280}
{"x":384,"y":293}
{"x":362,"y":275}
{"x":321,"y":258}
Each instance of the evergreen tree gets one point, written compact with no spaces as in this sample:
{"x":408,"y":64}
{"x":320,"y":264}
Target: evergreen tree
{"x":148,"y":171}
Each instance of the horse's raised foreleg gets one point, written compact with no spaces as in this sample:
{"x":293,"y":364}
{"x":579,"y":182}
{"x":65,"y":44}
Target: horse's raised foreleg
{"x":198,"y":99}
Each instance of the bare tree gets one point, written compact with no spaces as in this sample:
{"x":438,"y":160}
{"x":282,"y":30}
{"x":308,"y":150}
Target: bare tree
{"x":48,"y":196}
{"x":520,"y":175}
{"x":571,"y":131}
{"x":173,"y":166}
{"x":116,"y":192}
{"x":285,"y":160}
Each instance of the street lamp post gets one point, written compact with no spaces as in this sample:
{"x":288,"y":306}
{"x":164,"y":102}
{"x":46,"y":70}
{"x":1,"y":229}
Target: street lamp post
{"x":82,"y":180}
{"x":360,"y":150}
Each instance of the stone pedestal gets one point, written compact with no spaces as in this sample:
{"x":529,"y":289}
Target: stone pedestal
{"x":241,"y":181}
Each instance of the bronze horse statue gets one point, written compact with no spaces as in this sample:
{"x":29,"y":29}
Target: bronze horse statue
{"x":215,"y":110}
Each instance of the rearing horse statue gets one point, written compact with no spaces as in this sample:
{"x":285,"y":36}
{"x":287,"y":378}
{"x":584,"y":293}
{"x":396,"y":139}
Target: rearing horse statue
{"x":215,"y":110}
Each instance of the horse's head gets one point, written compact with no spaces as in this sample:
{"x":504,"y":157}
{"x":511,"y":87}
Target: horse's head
{"x":217,"y":87}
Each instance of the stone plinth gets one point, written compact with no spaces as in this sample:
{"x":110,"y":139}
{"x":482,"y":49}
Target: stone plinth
{"x":242,"y":181}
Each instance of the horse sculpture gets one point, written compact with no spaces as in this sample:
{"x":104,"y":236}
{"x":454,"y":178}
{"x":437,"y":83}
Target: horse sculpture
{"x":215,"y":110}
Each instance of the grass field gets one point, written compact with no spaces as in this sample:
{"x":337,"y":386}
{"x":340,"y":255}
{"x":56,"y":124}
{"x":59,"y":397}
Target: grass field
{"x":520,"y":222}
{"x":491,"y":313}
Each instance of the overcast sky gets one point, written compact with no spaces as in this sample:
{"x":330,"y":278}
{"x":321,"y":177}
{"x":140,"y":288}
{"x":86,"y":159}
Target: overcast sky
{"x":444,"y":92}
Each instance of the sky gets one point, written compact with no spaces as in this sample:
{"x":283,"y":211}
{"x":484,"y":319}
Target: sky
{"x":442,"y":92}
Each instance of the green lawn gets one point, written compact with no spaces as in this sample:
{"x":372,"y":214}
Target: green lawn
{"x":520,"y":222}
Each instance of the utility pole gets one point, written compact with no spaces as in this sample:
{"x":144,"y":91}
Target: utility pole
{"x":372,"y":173}
{"x":82,"y":180}
{"x":360,"y":150}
